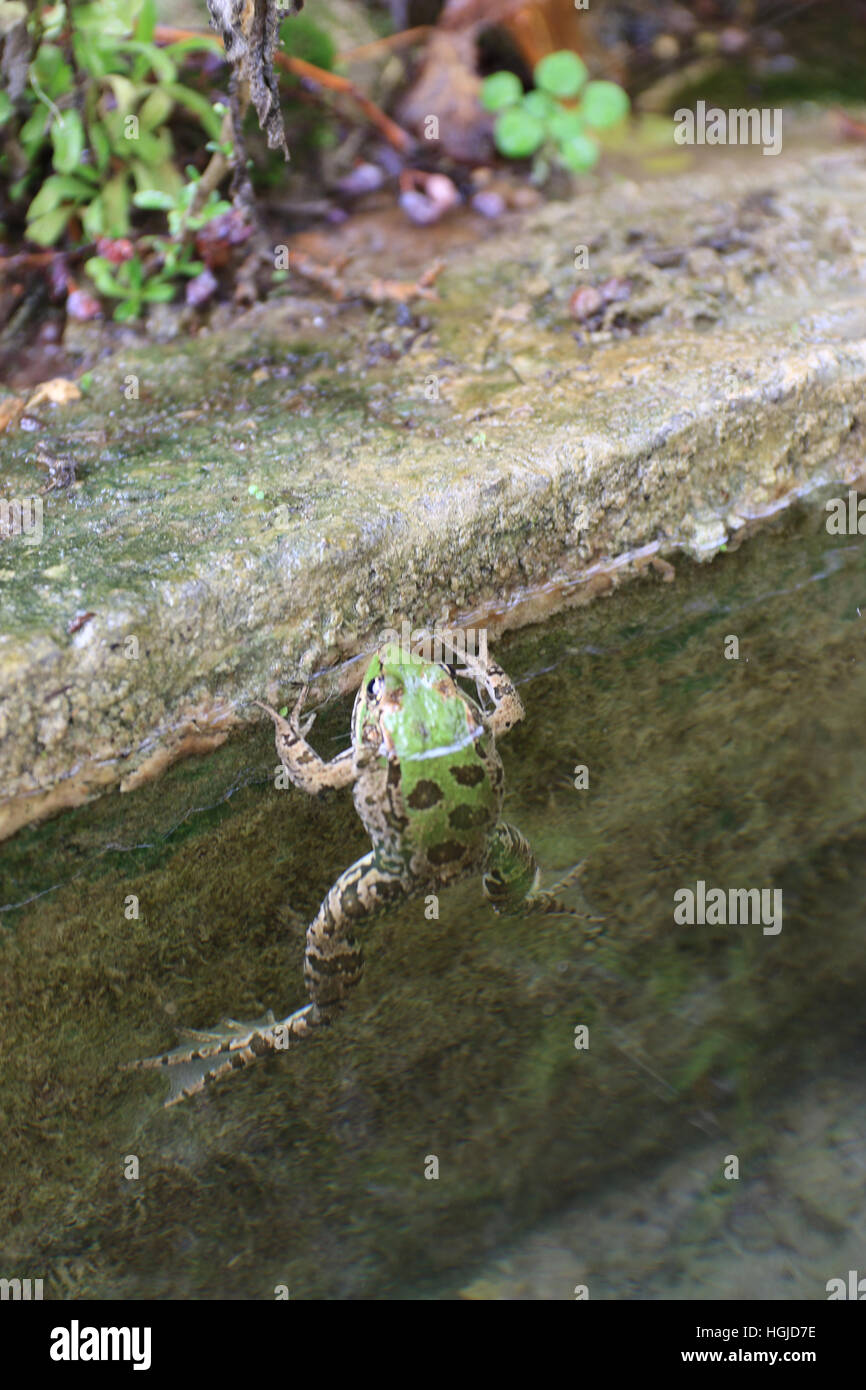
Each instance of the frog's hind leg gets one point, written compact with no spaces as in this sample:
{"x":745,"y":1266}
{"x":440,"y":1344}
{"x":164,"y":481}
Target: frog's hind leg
{"x":333,"y":964}
{"x":333,"y":960}
{"x":511,"y":878}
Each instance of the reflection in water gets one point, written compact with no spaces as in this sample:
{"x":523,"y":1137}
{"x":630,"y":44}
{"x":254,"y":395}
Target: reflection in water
{"x":584,"y":1090}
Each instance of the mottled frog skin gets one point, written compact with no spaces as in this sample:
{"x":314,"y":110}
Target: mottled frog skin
{"x":428,"y":786}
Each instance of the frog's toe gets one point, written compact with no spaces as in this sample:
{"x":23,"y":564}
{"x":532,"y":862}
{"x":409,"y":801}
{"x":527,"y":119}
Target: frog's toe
{"x":209,"y":1053}
{"x":548,"y":900}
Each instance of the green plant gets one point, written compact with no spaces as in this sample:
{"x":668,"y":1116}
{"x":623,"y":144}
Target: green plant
{"x":178,"y":206}
{"x":93,"y":123}
{"x":128,"y":283}
{"x":137,"y":282}
{"x":539,"y":123}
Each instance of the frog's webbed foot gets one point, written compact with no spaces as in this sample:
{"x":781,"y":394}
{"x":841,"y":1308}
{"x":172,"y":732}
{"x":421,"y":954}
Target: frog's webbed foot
{"x":209,"y":1053}
{"x":547,"y":900}
{"x":291,"y":726}
{"x":511,"y":879}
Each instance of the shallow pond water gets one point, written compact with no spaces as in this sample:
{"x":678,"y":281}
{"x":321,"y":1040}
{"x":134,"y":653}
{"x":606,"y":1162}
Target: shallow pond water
{"x":607,"y":1166}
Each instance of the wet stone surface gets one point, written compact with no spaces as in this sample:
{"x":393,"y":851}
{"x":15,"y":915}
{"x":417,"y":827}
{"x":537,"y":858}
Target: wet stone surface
{"x":255,"y":504}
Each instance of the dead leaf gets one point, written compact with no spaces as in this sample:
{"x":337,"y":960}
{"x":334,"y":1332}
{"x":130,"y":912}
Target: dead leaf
{"x":403,"y":291}
{"x":10,"y":411}
{"x":78,"y":622}
{"x":449,"y":86}
{"x":58,"y":391}
{"x":248,"y":29}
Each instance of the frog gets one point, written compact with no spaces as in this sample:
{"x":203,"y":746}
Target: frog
{"x":428,"y":786}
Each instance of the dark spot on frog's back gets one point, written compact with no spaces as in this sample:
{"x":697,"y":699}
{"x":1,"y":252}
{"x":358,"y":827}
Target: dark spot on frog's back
{"x":468,"y":776}
{"x":468,"y":817}
{"x":424,"y":794}
{"x":446,"y":853}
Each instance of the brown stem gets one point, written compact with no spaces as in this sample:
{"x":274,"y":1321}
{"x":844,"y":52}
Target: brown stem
{"x":386,"y":44}
{"x":33,"y":260}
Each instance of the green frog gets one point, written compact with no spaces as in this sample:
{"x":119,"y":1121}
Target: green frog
{"x":428,"y":786}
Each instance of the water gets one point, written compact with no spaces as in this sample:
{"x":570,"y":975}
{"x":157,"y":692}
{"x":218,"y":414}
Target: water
{"x":557,"y":1166}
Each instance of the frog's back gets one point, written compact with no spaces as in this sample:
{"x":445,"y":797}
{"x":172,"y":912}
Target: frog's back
{"x":433,"y":793}
{"x":451,"y":802}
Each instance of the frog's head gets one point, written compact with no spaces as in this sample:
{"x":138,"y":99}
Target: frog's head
{"x":411,"y":708}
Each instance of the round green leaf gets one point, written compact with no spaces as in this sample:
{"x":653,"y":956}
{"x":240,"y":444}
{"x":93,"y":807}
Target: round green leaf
{"x":51,"y":71}
{"x":67,"y":136}
{"x":93,"y":218}
{"x":541,"y":106}
{"x":153,"y":199}
{"x":129,"y":309}
{"x":53,"y":191}
{"x":603,"y":104}
{"x":102,"y":275}
{"x":565,"y":124}
{"x":99,"y":144}
{"x":115,"y":206}
{"x":32,"y":132}
{"x":500,"y":90}
{"x":46,"y":229}
{"x":579,"y":153}
{"x":155,"y":109}
{"x":561,"y":74}
{"x":518,"y":134}
{"x":158,"y":294}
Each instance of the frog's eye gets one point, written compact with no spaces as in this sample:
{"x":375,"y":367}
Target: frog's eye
{"x":375,"y":687}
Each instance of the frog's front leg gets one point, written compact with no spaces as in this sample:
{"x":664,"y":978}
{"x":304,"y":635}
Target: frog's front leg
{"x":333,"y":963}
{"x":303,"y":764}
{"x":488,"y":675}
{"x":511,"y":875}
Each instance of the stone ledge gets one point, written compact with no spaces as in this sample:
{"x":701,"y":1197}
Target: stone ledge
{"x":548,"y":469}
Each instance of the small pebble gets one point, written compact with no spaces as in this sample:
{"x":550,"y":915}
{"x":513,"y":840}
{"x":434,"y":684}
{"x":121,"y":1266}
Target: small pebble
{"x":585,"y":302}
{"x":489,"y":203}
{"x":442,"y":190}
{"x":364,"y":178}
{"x":200,"y":289}
{"x":82,"y":306}
{"x":666,"y":48}
{"x":733,"y":40}
{"x":419,"y":208}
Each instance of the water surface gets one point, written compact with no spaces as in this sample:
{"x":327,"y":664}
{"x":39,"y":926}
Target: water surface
{"x":557,"y":1167}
